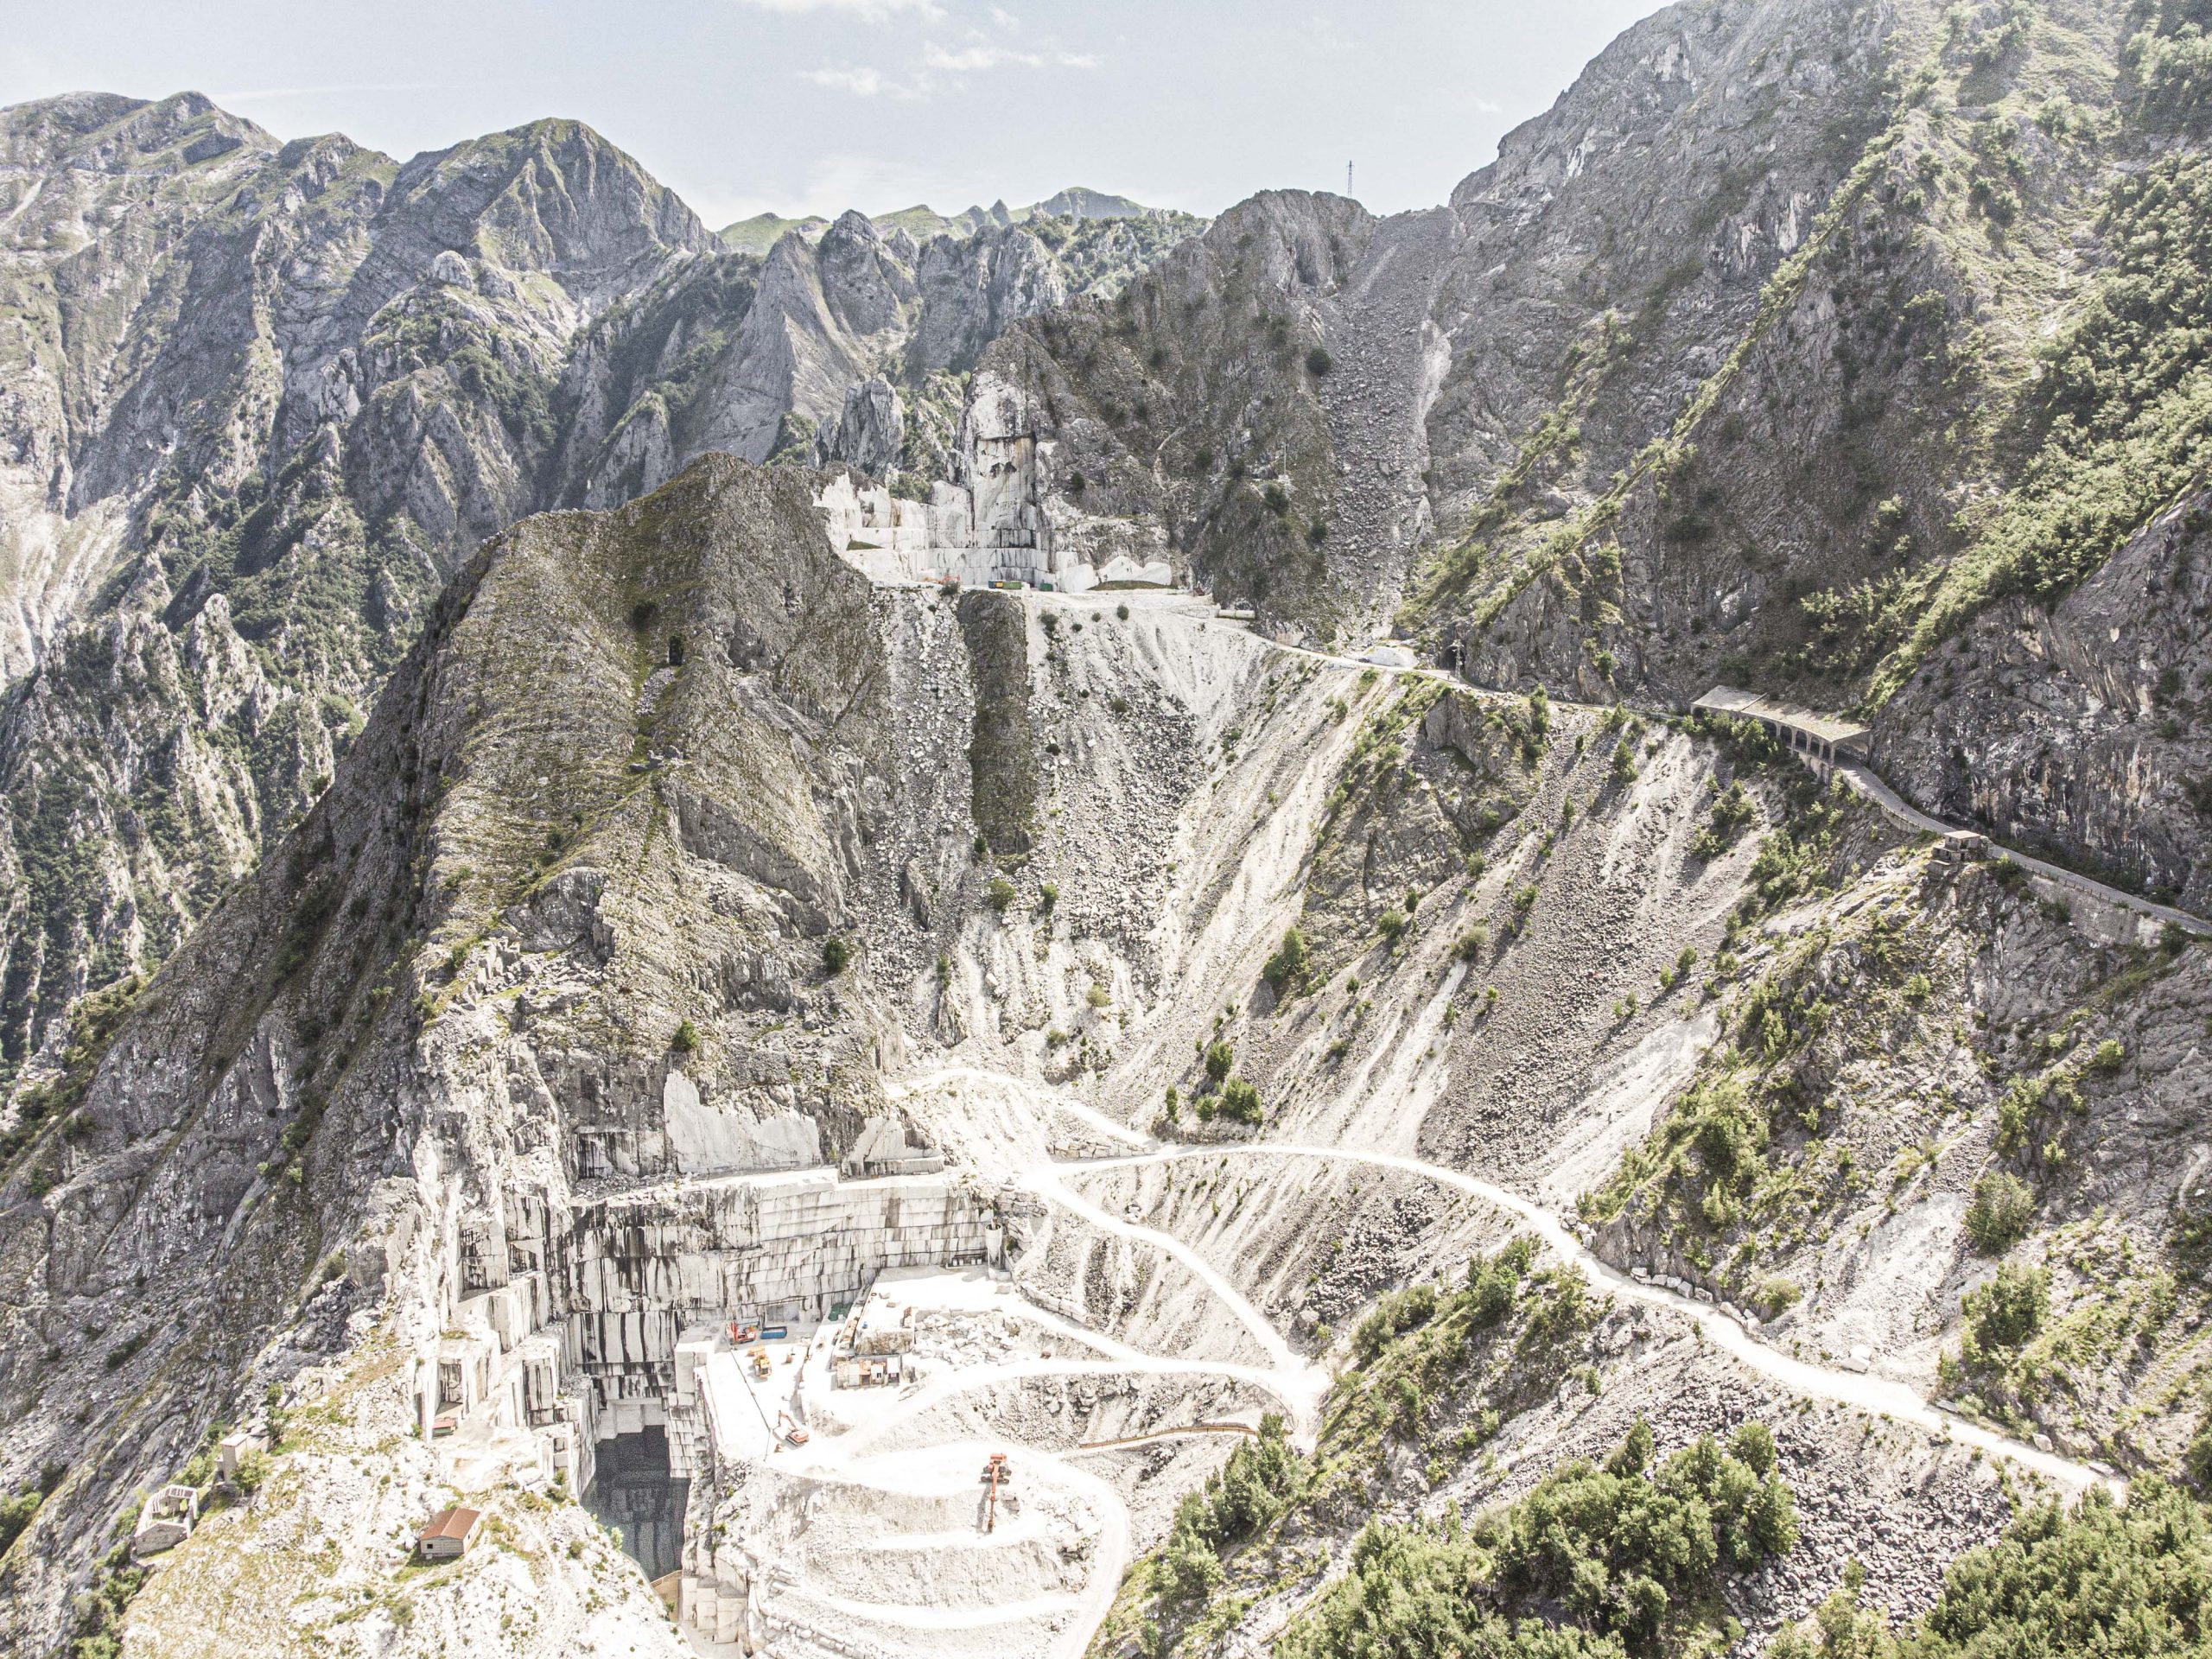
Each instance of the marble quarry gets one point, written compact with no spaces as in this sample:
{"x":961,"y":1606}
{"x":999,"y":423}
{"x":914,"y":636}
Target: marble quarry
{"x":1001,"y":520}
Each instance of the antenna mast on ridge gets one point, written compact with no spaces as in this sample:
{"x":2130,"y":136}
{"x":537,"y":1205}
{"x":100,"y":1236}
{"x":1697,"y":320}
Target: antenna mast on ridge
{"x":1348,"y":179}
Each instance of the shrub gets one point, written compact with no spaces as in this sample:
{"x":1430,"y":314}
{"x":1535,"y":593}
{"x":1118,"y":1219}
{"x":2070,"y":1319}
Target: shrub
{"x":1472,"y":944}
{"x":999,"y":894}
{"x":2197,"y":1460}
{"x":1775,"y":1297}
{"x":15,"y":1514}
{"x":1392,"y":924}
{"x":1732,"y":809}
{"x":1220,"y":1059}
{"x":835,"y":953}
{"x":1319,"y":362}
{"x":686,"y":1038}
{"x":2011,"y":1308}
{"x":1262,"y":1478}
{"x":1048,"y":894}
{"x":121,"y":1354}
{"x":1286,"y":967}
{"x":253,"y":1469}
{"x":1612,"y":1560}
{"x":2100,"y":1578}
{"x":1240,"y":1101}
{"x":1495,"y":1281}
{"x":1399,"y":1311}
{"x":2000,"y":1215}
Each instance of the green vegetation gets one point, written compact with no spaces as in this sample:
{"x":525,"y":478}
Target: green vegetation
{"x":1286,"y":969}
{"x":2119,"y":422}
{"x":1732,"y":810}
{"x":1437,"y":1369}
{"x":92,"y":1024}
{"x":1220,"y":1059}
{"x":2121,"y":1582}
{"x":686,"y":1039}
{"x":1260,"y":1479}
{"x":1240,"y":1101}
{"x":999,"y":894}
{"x":100,"y":1610}
{"x":2002,"y":1211}
{"x":1613,"y":1561}
{"x":836,"y":954}
{"x":2005,"y":1312}
{"x":18,"y":1509}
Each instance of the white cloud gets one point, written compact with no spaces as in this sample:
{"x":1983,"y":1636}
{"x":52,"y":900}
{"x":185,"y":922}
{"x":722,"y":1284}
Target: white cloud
{"x":968,"y":59}
{"x":874,"y":11}
{"x":860,"y":82}
{"x":1005,"y":19}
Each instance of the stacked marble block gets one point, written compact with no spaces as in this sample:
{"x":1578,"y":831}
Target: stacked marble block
{"x":717,"y":1601}
{"x":500,"y":1358}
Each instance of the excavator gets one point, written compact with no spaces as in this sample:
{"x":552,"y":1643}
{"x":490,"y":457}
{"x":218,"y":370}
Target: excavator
{"x":997,"y":1473}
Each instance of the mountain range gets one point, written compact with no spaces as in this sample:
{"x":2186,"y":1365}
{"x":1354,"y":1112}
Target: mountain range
{"x":1413,"y":1135}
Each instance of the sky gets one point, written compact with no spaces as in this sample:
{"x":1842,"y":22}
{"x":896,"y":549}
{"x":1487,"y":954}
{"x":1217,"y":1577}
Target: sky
{"x":790,"y":106}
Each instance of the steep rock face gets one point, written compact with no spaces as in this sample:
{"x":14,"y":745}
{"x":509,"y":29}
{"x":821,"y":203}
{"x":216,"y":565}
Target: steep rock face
{"x":276,"y":393}
{"x":319,"y":380}
{"x":73,"y":163}
{"x":869,"y":433}
{"x":554,"y":945}
{"x":1391,"y":377}
{"x":1791,"y":338}
{"x":972,"y":291}
{"x":2078,"y":729}
{"x":1968,"y":383}
{"x":1191,"y":398}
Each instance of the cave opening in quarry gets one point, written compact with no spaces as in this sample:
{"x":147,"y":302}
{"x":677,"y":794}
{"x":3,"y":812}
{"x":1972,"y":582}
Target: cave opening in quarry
{"x":635,"y":1493}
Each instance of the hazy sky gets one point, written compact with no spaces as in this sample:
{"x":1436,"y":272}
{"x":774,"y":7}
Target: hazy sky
{"x":819,"y":105}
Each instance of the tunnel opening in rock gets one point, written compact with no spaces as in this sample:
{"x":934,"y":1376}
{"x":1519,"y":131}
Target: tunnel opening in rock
{"x":635,"y":1493}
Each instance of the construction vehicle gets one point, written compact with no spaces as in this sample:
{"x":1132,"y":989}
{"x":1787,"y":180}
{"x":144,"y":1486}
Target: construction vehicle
{"x":997,"y":1473}
{"x":795,"y":1433}
{"x":742,"y":1331}
{"x":761,"y":1368}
